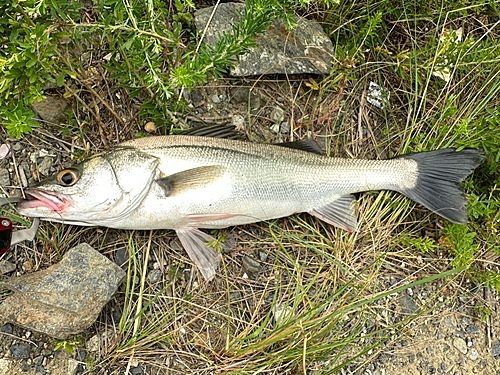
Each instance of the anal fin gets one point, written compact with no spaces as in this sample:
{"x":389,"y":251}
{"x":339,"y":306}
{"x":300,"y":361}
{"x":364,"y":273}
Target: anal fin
{"x":206,"y":258}
{"x":340,"y":213}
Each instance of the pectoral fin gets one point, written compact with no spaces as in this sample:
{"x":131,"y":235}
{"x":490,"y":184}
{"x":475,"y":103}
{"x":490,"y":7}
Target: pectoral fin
{"x":205,"y":257}
{"x":195,"y":178}
{"x":341,"y":213}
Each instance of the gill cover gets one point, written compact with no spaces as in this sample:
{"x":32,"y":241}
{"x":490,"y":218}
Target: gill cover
{"x":103,"y":189}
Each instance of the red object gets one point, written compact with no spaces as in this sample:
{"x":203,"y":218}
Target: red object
{"x":5,"y":234}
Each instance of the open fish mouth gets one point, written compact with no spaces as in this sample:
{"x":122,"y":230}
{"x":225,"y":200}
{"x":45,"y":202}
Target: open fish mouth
{"x":43,"y":199}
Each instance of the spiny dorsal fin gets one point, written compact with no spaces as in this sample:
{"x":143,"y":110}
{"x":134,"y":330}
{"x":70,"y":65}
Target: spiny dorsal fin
{"x":216,"y":131}
{"x":307,"y":144}
{"x":195,"y":178}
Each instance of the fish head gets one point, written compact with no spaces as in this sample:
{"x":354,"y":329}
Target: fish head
{"x":99,"y":191}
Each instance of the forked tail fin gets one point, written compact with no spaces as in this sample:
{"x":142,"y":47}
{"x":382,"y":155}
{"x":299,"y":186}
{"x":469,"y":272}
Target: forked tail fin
{"x":439,"y":180}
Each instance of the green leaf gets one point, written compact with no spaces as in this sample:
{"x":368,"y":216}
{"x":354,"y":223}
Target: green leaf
{"x":31,"y":62}
{"x":14,"y":34}
{"x":60,"y":79}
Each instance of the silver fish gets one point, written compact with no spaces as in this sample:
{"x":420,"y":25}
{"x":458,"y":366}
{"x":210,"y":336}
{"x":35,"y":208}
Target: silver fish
{"x":186,"y":182}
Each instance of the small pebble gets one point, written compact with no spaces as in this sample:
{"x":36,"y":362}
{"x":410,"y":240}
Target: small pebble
{"x":121,"y":258}
{"x":154,"y":276}
{"x":20,"y":351}
{"x":4,"y":177}
{"x":25,"y":366}
{"x":460,"y":345}
{"x":6,"y":267}
{"x":250,"y":264}
{"x":472,"y":329}
{"x":276,"y":116}
{"x":44,"y":167}
{"x":263,"y":256}
{"x":234,"y":296}
{"x":137,"y":371}
{"x":5,"y":151}
{"x":473,"y":354}
{"x":28,"y":266}
{"x":495,"y":349}
{"x":7,"y":328}
{"x":38,"y":360}
{"x":285,"y":127}
{"x":150,"y":127}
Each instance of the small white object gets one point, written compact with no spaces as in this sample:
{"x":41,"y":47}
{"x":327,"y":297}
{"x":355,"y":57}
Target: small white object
{"x":281,"y":313}
{"x":4,"y":151}
{"x":377,"y":96}
{"x":443,"y":70}
{"x":216,"y":99}
{"x":275,"y":128}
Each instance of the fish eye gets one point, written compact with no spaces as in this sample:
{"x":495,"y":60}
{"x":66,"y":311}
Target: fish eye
{"x":68,"y":177}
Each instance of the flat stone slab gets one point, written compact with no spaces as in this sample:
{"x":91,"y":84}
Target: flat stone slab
{"x":305,"y":49}
{"x":63,"y":299}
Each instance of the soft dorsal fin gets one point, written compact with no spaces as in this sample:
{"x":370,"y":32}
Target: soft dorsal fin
{"x":307,"y":144}
{"x":195,"y":178}
{"x":216,"y":131}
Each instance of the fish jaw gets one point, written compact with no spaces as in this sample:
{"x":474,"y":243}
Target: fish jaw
{"x":43,"y":201}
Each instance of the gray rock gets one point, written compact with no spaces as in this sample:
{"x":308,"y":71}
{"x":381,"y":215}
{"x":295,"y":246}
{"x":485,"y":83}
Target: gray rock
{"x":4,"y":177}
{"x":305,"y":49}
{"x":44,"y":167}
{"x":234,"y":296}
{"x":154,"y":276}
{"x":276,"y":115}
{"x":196,"y":97}
{"x":472,"y":329}
{"x":460,"y":345}
{"x":7,"y":328}
{"x":72,"y":366}
{"x":93,"y":343}
{"x":176,"y":245}
{"x":39,"y":368}
{"x":18,"y":146}
{"x":121,"y":258}
{"x":63,"y":299}
{"x":285,"y":127}
{"x":250,"y":264}
{"x":6,"y":267}
{"x":136,"y":371}
{"x":408,"y":306}
{"x":215,"y":99}
{"x":240,"y":94}
{"x":495,"y":349}
{"x":38,"y":360}
{"x":51,"y":109}
{"x":25,"y":367}
{"x":20,"y":351}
